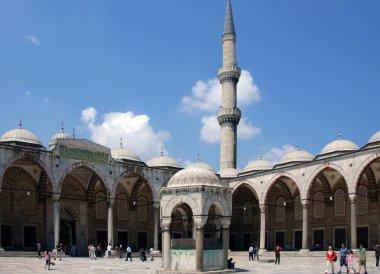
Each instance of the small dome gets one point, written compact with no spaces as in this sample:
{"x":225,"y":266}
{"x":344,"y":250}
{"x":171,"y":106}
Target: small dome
{"x":297,"y":156}
{"x":194,"y":176}
{"x":124,"y":154}
{"x":339,"y":146}
{"x":258,"y":165}
{"x":20,"y":135}
{"x":375,"y":138}
{"x":163,"y":161}
{"x":59,"y":135}
{"x":201,"y":165}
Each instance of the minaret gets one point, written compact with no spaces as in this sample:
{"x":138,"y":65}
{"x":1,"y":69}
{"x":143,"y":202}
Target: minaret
{"x":229,"y":114}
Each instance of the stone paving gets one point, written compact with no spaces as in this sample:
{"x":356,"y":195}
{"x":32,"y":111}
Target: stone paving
{"x":84,"y":265}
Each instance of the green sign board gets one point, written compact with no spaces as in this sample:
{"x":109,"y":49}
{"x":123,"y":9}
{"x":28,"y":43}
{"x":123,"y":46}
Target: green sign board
{"x":85,"y":155}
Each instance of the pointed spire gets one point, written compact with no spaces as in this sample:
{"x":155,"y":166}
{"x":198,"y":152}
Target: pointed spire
{"x":162,"y":151}
{"x":20,"y":123}
{"x":73,"y":133}
{"x":339,"y":135}
{"x":121,"y":142}
{"x":62,"y":130}
{"x":198,"y":157}
{"x":229,"y":27}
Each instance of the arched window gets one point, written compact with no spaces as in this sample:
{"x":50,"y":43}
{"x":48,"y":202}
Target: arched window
{"x":298,"y":209}
{"x":280,"y":210}
{"x":247,"y":218}
{"x":340,"y":203}
{"x":5,"y":199}
{"x":319,"y":205}
{"x":362,"y":200}
{"x":101,"y":206}
{"x":29,"y":200}
{"x":122,"y":207}
{"x":142,"y":209}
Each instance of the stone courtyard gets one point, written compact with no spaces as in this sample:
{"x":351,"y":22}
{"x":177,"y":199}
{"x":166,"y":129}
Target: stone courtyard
{"x":84,"y":265}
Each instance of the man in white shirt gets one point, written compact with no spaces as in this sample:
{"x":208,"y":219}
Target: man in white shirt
{"x":109,"y":248}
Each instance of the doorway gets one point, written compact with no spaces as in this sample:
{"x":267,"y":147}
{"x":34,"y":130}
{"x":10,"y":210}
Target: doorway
{"x":319,"y":239}
{"x":362,"y":236}
{"x":233,"y":242}
{"x":246,"y":241}
{"x":30,"y":234}
{"x":280,"y":239}
{"x":67,"y":233}
{"x":122,"y":238}
{"x":101,"y":238}
{"x":142,"y":240}
{"x":6,"y":235}
{"x":340,"y":237}
{"x":297,"y":239}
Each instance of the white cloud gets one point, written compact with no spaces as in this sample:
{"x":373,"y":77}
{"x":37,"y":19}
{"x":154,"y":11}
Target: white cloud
{"x":206,"y":96}
{"x":275,"y":154}
{"x":210,"y":131}
{"x":135,"y":130}
{"x":30,"y":40}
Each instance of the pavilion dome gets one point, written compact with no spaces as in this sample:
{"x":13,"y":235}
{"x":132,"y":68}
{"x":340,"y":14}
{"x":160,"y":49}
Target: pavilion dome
{"x":60,"y":135}
{"x":375,"y":138}
{"x":194,"y":176}
{"x":297,"y":156}
{"x":21,"y":136}
{"x":201,"y":165}
{"x":124,"y":154}
{"x":259,"y":165}
{"x":163,"y":161}
{"x":339,"y":145}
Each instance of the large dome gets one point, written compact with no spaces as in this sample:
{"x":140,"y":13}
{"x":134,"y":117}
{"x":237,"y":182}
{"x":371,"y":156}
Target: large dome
{"x":194,"y":176}
{"x":59,"y":135}
{"x":297,"y":156}
{"x":339,"y":145}
{"x":163,"y":161}
{"x":21,"y":136}
{"x":124,"y":154}
{"x":201,"y":165}
{"x":258,"y":165}
{"x":375,"y":138}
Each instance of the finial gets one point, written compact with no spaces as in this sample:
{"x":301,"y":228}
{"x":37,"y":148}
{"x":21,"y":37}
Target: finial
{"x":198,"y":157}
{"x":298,"y":146}
{"x":229,"y":27}
{"x":162,"y":151}
{"x":62,"y":130}
{"x":121,"y":142}
{"x":20,"y":123}
{"x":339,"y":135}
{"x":73,"y":133}
{"x":261,"y":157}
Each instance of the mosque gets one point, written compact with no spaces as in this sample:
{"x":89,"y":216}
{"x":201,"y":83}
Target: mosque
{"x":78,"y":192}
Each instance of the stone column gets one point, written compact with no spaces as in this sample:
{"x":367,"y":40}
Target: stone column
{"x":1,"y":244}
{"x":155,"y":221}
{"x":226,"y":221}
{"x":56,"y":213}
{"x":165,"y":227}
{"x":305,"y":204}
{"x":262,"y":227}
{"x":354,"y":240}
{"x":199,"y":249}
{"x":110,"y":224}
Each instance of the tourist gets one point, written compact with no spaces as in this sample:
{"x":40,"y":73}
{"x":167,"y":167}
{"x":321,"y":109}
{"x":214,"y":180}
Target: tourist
{"x":120,"y":251}
{"x":99,"y":251}
{"x":117,"y":251}
{"x":58,"y":251}
{"x":109,"y":250}
{"x":151,"y":253}
{"x":47,"y":258}
{"x":250,"y":253}
{"x":362,"y":258}
{"x":142,"y":254}
{"x":129,"y":253}
{"x":350,"y":262}
{"x":73,"y":251}
{"x":277,"y":254}
{"x":92,"y":252}
{"x":256,"y":253}
{"x":343,"y":257}
{"x":39,"y":250}
{"x":331,"y":258}
{"x":230,"y":264}
{"x":377,"y":254}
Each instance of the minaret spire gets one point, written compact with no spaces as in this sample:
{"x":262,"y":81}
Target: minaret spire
{"x":229,"y":114}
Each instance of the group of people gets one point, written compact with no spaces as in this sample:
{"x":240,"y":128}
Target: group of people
{"x":94,"y":253}
{"x":253,"y":253}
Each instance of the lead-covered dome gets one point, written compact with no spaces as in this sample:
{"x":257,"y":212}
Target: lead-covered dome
{"x":123,"y":154}
{"x":163,"y":161}
{"x":339,"y":145}
{"x":259,"y":165}
{"x":297,"y":156}
{"x":20,"y":136}
{"x":375,"y":138}
{"x":194,"y":176}
{"x":60,"y":135}
{"x":201,"y":165}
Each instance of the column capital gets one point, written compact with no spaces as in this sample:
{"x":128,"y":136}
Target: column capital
{"x":200,"y":221}
{"x":305,"y":202}
{"x":263,"y":207}
{"x":156,"y":205}
{"x":165,"y":223}
{"x":352,"y":197}
{"x":226,"y":222}
{"x":56,"y":197}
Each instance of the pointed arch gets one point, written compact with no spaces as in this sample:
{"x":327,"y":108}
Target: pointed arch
{"x":274,"y":180}
{"x":365,"y":168}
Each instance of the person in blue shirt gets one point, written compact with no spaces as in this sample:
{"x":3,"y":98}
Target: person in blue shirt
{"x":343,"y":258}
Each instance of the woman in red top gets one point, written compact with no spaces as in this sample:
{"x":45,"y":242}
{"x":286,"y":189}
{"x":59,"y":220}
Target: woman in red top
{"x":331,"y":257}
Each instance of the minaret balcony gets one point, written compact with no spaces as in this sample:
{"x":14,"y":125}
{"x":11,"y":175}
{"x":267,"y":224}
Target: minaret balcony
{"x":229,"y":73}
{"x":229,"y":115}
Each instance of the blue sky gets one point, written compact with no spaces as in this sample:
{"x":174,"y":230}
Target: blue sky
{"x":112,"y":68}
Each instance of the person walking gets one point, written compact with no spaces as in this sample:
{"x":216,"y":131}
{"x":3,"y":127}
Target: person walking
{"x":151,"y":253}
{"x":250,"y":253}
{"x":109,"y":250}
{"x":362,"y":258}
{"x":256,"y":253}
{"x":92,"y":252}
{"x":343,"y":258}
{"x":47,"y":259}
{"x":350,"y":262}
{"x":39,"y":250}
{"x":129,"y":253}
{"x":377,"y":254}
{"x":331,"y":258}
{"x":277,"y":254}
{"x":120,"y":251}
{"x":58,"y":252}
